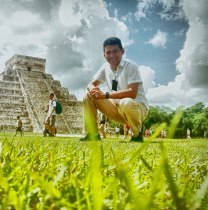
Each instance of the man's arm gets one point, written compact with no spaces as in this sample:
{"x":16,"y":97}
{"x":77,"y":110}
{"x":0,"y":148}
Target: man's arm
{"x":94,"y":89}
{"x":93,"y":85}
{"x":130,"y":92}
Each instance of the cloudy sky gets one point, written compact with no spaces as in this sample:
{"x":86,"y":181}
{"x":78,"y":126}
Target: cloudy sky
{"x":166,"y":38}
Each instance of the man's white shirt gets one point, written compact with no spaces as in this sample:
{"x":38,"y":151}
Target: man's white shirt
{"x":52,"y":103}
{"x":127,"y":73}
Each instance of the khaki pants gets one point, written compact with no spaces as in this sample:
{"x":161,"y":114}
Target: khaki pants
{"x":125,"y":111}
{"x":102,"y":130}
{"x":52,"y":120}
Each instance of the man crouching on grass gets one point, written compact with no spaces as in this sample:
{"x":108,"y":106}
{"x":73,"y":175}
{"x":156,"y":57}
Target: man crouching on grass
{"x":125,"y":102}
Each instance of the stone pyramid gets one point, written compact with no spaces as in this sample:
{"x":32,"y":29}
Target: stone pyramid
{"x":24,"y":92}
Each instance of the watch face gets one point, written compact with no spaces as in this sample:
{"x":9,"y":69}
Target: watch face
{"x":107,"y":95}
{"x":114,"y":85}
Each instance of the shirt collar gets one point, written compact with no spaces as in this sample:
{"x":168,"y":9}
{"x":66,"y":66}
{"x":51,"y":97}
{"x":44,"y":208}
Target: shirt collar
{"x":121,"y":64}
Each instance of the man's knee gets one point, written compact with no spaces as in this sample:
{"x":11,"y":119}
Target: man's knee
{"x":126,"y":104}
{"x":87,"y":97}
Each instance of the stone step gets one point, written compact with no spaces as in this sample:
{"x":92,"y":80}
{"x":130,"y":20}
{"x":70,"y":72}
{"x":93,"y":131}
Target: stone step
{"x":9,"y":78}
{"x":14,"y":123}
{"x":10,"y":72}
{"x":5,"y":112}
{"x":12,"y":128}
{"x":72,"y":116}
{"x":8,"y":84}
{"x":11,"y":106}
{"x":10,"y":91}
{"x":40,"y":90}
{"x":70,"y":100}
{"x":11,"y":98}
{"x":12,"y":118}
{"x":33,"y":74}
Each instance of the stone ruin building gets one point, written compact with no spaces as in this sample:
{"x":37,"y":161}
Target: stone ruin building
{"x":24,"y":91}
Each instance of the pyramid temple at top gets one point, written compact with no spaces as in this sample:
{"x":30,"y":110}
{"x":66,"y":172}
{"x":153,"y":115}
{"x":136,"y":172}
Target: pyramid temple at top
{"x":24,"y":91}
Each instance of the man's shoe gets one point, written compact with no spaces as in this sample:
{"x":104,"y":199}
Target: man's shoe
{"x":90,"y":137}
{"x":138,"y":138}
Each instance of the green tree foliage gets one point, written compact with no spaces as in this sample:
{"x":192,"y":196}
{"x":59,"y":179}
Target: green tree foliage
{"x":157,"y":115}
{"x":194,"y":118}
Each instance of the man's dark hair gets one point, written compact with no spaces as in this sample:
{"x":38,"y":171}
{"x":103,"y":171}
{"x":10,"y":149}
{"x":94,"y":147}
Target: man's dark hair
{"x":112,"y":41}
{"x":52,"y":94}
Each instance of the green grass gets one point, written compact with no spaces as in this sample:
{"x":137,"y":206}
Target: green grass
{"x":63,"y":173}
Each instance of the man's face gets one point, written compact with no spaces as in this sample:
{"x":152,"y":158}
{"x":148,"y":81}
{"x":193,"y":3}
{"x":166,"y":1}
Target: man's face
{"x":113,"y":54}
{"x":51,"y":97}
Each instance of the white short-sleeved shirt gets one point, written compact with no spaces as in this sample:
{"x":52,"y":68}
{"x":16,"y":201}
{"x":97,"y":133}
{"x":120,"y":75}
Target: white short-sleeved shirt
{"x":127,"y":73}
{"x":52,"y":103}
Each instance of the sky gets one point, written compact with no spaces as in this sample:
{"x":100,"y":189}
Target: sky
{"x":167,"y":39}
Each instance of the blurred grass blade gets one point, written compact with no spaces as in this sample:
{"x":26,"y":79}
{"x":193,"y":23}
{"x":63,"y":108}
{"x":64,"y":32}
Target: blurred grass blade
{"x":179,"y":202}
{"x":96,"y":175}
{"x":122,"y":173}
{"x":200,"y":195}
{"x":174,"y":123}
{"x":90,"y":123}
{"x":146,"y":163}
{"x":148,"y":141}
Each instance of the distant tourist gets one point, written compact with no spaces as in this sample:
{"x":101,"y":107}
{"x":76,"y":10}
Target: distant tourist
{"x":102,"y":121}
{"x":126,"y":130}
{"x":205,"y":134}
{"x":117,"y":130}
{"x":19,"y":126}
{"x":163,"y":133}
{"x":188,"y":134}
{"x":46,"y":129}
{"x":2,"y":127}
{"x":51,"y":115}
{"x":125,"y":102}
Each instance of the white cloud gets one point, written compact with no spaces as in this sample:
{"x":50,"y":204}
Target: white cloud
{"x":68,"y":34}
{"x":171,"y":9}
{"x":171,"y":95}
{"x":148,"y":77}
{"x":128,"y":18}
{"x":18,"y":19}
{"x":193,"y":60}
{"x":159,"y":39}
{"x":190,"y":86}
{"x":142,"y":7}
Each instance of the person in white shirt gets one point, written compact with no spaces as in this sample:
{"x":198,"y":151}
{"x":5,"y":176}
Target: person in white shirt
{"x":125,"y":102}
{"x":51,"y":114}
{"x":188,"y":134}
{"x":117,"y":130}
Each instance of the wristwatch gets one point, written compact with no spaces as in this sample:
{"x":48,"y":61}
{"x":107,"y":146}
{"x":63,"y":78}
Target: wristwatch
{"x":107,"y":95}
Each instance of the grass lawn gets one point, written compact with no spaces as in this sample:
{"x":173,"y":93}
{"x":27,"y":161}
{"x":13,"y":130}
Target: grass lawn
{"x":62,"y":173}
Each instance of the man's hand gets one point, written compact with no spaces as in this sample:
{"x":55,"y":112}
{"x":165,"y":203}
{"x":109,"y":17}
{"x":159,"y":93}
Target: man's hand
{"x":96,"y":93}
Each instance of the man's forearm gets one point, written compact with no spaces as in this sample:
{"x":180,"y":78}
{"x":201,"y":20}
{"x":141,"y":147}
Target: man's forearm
{"x":122,"y":94}
{"x":90,"y":86}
